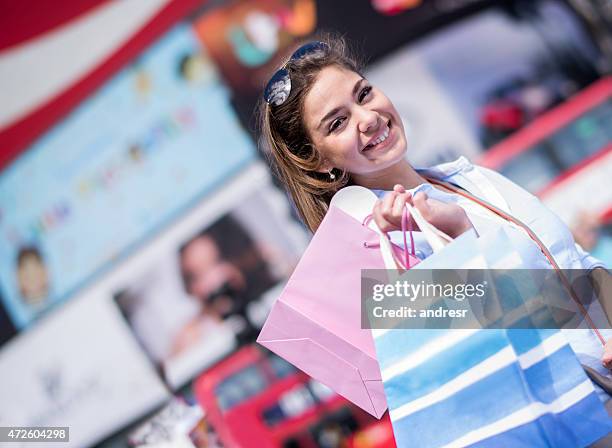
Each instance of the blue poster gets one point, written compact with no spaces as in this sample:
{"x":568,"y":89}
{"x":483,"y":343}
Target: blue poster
{"x":139,"y":152}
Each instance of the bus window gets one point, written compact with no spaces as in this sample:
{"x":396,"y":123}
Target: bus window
{"x":565,"y":155}
{"x":292,"y":443}
{"x":239,"y":387}
{"x":532,"y":169}
{"x":584,"y":137}
{"x":280,"y":367}
{"x":321,"y":392}
{"x":292,"y":404}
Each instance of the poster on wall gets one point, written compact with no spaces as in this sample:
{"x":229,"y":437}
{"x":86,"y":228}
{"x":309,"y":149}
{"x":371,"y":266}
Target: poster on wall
{"x":158,"y":137}
{"x":80,"y":367}
{"x":210,"y":292}
{"x":248,"y":39}
{"x":245,"y":39}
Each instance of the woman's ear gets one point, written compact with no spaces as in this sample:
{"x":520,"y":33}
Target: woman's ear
{"x":324,"y":167}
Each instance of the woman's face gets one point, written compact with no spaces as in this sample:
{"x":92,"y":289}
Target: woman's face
{"x":352,"y":124}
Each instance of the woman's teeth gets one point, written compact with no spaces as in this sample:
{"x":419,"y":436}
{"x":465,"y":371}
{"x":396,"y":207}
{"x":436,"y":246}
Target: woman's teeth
{"x":380,"y":139}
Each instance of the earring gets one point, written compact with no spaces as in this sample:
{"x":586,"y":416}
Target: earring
{"x":332,"y":176}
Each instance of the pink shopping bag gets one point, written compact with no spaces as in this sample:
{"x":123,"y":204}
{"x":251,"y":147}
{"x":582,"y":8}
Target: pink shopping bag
{"x":315,"y":324}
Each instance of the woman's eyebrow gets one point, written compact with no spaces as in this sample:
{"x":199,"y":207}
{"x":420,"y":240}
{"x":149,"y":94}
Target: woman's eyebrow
{"x":335,"y":110}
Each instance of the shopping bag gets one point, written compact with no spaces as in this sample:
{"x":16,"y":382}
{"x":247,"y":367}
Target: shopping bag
{"x":486,"y":388}
{"x":315,"y":324}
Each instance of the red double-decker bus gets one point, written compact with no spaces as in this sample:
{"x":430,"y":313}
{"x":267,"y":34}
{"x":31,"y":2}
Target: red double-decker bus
{"x":565,"y":155}
{"x":256,"y":399}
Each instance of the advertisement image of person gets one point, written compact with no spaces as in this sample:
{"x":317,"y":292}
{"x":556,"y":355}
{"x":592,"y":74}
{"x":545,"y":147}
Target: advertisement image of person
{"x":195,"y":68}
{"x":32,"y":276}
{"x":224,"y":269}
{"x":326,"y":126}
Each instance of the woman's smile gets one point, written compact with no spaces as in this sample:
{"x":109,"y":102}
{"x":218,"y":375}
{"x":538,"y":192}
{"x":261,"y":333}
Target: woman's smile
{"x":381,"y":141}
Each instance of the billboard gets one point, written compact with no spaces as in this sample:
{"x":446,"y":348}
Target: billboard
{"x":144,"y":148}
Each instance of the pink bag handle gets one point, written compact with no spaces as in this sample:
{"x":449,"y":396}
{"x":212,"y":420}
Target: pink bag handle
{"x":406,"y":225}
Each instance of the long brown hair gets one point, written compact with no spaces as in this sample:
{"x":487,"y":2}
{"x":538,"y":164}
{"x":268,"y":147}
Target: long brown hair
{"x":293,"y":157}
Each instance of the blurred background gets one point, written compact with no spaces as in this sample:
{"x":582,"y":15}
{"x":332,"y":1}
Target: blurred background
{"x":143,"y":238}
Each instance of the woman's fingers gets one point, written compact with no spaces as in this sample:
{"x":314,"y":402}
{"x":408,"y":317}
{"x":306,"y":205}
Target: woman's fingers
{"x":388,"y":211}
{"x":379,"y":218}
{"x":387,"y":208}
{"x":387,"y":203}
{"x":420,"y":202}
{"x":447,"y":217}
{"x":399,"y":205}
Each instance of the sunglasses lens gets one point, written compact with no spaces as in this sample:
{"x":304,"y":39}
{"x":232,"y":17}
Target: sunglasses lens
{"x":278,"y":88}
{"x":309,"y":48}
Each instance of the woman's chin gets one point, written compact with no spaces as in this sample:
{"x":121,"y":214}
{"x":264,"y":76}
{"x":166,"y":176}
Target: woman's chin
{"x":395,"y":154}
{"x":396,"y":151}
{"x":387,"y":161}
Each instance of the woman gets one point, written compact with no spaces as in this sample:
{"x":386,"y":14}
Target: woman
{"x":326,"y":126}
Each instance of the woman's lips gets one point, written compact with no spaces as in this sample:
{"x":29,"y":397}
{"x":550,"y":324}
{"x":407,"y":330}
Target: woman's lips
{"x":384,"y":144}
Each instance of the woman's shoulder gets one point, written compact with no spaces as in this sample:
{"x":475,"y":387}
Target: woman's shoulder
{"x":446,"y":169}
{"x":474,"y":176}
{"x":477,"y":179}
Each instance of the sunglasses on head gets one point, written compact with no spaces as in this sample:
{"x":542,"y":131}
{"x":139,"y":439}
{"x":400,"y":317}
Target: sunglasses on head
{"x":279,"y":87}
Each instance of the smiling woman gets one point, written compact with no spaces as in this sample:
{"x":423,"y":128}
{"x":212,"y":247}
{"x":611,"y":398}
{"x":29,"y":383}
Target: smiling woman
{"x":326,"y":126}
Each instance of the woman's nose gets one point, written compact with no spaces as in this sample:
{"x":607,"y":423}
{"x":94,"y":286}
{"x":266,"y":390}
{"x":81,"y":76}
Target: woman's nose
{"x":368,"y":121}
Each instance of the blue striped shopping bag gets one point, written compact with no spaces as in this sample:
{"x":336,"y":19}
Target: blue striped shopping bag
{"x":486,"y":388}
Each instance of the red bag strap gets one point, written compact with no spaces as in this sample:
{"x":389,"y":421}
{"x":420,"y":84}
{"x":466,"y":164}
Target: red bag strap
{"x":534,"y":237}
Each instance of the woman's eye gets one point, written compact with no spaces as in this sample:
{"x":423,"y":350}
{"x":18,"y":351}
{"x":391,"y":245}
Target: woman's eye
{"x":364,"y":93}
{"x":337,"y":122}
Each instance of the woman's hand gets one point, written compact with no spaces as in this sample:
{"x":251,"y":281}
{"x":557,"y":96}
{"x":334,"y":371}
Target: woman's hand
{"x":447,"y":217}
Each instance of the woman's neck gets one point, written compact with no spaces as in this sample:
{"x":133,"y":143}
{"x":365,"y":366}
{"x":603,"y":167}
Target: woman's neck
{"x":400,"y":173}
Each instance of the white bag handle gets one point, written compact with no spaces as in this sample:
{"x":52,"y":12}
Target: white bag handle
{"x":435,"y":237}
